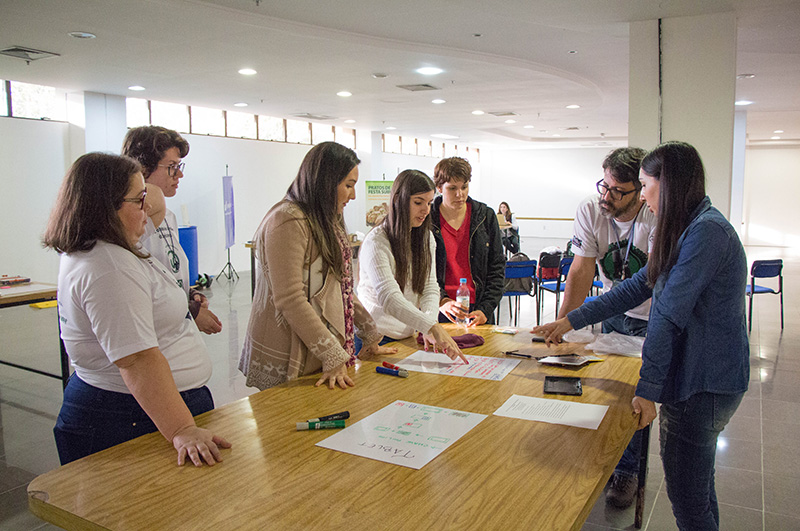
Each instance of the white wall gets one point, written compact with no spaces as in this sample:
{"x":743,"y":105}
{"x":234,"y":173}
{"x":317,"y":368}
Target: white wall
{"x":34,"y":156}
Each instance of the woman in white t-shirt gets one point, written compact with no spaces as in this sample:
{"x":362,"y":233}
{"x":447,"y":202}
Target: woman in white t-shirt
{"x":397,"y":283}
{"x":140,"y":364}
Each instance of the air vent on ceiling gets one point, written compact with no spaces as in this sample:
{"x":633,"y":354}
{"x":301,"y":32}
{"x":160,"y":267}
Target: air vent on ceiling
{"x":27,"y":54}
{"x":503,"y":113}
{"x":309,"y":116}
{"x":573,"y":128}
{"x":418,"y":88}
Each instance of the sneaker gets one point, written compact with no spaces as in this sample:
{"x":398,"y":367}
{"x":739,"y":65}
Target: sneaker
{"x":622,"y":491}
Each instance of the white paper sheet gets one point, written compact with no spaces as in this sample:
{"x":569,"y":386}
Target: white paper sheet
{"x":553,"y":411}
{"x":404,"y":433}
{"x":479,"y":366}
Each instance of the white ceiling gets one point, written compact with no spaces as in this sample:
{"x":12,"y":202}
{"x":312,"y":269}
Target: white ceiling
{"x":305,"y":51}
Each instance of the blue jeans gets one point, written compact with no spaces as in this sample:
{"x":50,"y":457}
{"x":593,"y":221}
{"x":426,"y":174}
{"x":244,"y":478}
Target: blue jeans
{"x":689,"y":432}
{"x":92,"y":419}
{"x":629,"y":463}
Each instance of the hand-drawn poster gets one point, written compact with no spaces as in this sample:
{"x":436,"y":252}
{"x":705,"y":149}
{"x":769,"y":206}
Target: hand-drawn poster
{"x":481,"y":367}
{"x":404,"y":433}
{"x":377,"y":202}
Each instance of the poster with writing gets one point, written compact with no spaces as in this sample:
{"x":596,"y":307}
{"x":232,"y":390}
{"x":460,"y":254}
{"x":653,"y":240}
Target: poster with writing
{"x":553,"y":411}
{"x":377,"y":201}
{"x":404,"y":433}
{"x":480,"y":367}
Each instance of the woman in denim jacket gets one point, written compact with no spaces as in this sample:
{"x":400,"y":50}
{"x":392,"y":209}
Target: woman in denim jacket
{"x":695,"y":360}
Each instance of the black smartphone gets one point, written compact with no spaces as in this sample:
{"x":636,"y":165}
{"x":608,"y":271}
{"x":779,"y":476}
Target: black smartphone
{"x":563,"y":385}
{"x":537,"y":339}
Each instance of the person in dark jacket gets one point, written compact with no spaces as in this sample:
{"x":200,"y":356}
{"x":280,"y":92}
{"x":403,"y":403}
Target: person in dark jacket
{"x":468,"y":245}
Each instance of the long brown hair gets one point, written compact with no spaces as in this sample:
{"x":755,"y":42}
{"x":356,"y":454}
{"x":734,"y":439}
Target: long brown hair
{"x":314,"y":190}
{"x":682,"y":186}
{"x":409,"y":243}
{"x":507,"y":215}
{"x":87,"y":205}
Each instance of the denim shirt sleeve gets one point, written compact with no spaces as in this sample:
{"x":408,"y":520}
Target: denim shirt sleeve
{"x":627,"y":295}
{"x":702,"y":250}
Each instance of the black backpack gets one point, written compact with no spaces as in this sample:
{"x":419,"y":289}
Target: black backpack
{"x":519,"y":284}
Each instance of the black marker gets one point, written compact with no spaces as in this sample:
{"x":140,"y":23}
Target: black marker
{"x":515,"y":353}
{"x":336,"y":416}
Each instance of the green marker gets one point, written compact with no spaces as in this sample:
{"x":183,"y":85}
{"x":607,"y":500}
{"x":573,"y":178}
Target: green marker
{"x":324,"y":425}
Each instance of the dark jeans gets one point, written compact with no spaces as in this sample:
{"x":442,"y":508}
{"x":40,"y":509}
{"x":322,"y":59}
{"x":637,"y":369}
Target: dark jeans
{"x":689,"y":432}
{"x":92,"y":419}
{"x":629,"y":463}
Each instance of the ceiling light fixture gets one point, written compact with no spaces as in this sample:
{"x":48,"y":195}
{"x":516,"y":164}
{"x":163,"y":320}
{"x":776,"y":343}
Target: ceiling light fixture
{"x":391,"y":128}
{"x":528,"y":126}
{"x":240,"y":104}
{"x":350,"y":121}
{"x":137,"y":88}
{"x":380,"y":75}
{"x":511,"y":121}
{"x":573,"y":106}
{"x":745,"y":76}
{"x":344,"y":94}
{"x":476,"y":35}
{"x":247,"y":72}
{"x":774,"y":138}
{"x":478,"y":112}
{"x":572,"y":52}
{"x":778,"y":131}
{"x":743,"y":103}
{"x":438,"y":101}
{"x":429,"y":70}
{"x":82,"y":35}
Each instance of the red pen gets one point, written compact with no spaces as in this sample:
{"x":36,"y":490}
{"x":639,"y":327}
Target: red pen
{"x":390,"y":366}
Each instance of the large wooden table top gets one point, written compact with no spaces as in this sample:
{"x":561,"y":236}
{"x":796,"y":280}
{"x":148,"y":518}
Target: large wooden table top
{"x":504,"y":474}
{"x":26,"y":293}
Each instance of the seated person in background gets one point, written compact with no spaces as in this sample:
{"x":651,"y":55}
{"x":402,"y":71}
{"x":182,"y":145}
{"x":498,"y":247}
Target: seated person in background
{"x":614,"y":230}
{"x":397,"y":283}
{"x":305,"y":311}
{"x":159,"y":151}
{"x":468,"y":245}
{"x":140,"y":364}
{"x":508,"y":228}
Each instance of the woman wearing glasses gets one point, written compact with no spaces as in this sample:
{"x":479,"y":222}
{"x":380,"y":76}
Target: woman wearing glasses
{"x":305,"y":311}
{"x":159,"y":151}
{"x":695,"y":360}
{"x":140,"y":364}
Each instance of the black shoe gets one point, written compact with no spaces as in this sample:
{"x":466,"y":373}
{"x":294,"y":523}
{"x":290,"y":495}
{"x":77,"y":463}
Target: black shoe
{"x":622,"y":491}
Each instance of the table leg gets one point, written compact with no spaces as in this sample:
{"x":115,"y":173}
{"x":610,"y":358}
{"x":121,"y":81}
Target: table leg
{"x":643,"y":456}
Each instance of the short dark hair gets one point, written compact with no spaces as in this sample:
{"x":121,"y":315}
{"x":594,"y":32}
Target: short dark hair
{"x":148,"y":144}
{"x":452,"y":169}
{"x":87,"y":205}
{"x":682,"y":186}
{"x":314,"y":190}
{"x":623,"y":164}
{"x":409,"y":244}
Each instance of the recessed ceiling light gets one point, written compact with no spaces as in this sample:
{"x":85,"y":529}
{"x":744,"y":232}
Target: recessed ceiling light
{"x":509,"y":121}
{"x":774,"y":138}
{"x":742,"y":103}
{"x":444,"y":136}
{"x":778,"y":131}
{"x":573,"y":106}
{"x":350,"y":121}
{"x":528,"y":126}
{"x":556,"y":134}
{"x":429,"y":70}
{"x":380,"y":75}
{"x":136,"y":87}
{"x":438,"y":101}
{"x":476,"y":35}
{"x":247,"y":72}
{"x":478,"y":113}
{"x":240,"y":104}
{"x":82,"y":35}
{"x":344,"y":94}
{"x":391,"y":128}
{"x":745,"y":76}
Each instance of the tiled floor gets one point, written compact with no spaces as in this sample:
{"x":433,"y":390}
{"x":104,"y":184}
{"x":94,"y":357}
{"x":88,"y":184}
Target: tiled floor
{"x":758,"y":460}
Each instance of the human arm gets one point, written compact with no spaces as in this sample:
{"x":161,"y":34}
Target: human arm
{"x":494,"y":280}
{"x":629,"y":294}
{"x":579,"y":282}
{"x":148,"y":377}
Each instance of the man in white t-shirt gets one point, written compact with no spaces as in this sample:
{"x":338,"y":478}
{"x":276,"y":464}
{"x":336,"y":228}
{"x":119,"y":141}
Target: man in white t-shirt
{"x":614,"y":231}
{"x":159,"y":150}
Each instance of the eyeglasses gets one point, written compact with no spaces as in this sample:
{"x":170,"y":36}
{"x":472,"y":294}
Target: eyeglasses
{"x":173,"y":168}
{"x":616,"y":193}
{"x":139,"y":200}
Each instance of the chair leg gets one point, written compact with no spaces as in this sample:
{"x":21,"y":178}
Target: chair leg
{"x":750,"y":314}
{"x":781,"y":309}
{"x":509,"y":311}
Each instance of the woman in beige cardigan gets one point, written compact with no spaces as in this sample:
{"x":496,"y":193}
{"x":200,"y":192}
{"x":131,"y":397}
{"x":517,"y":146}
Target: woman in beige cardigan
{"x":305,"y":310}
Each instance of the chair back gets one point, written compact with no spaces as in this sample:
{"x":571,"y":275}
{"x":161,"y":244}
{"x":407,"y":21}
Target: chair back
{"x":549,"y":266}
{"x":520,"y":276}
{"x":766,"y":268}
{"x":564,"y":266}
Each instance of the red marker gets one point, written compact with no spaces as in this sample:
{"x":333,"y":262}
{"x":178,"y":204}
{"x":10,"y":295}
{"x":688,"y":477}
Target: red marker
{"x":390,"y":366}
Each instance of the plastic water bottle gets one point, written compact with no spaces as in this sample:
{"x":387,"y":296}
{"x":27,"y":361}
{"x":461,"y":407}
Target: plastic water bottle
{"x":462,"y":298}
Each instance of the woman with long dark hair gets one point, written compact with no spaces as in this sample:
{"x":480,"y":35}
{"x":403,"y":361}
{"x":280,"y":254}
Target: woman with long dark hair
{"x":695,"y":359}
{"x":509,"y":227}
{"x":398,"y":281}
{"x":140,"y":364}
{"x":305,"y":312}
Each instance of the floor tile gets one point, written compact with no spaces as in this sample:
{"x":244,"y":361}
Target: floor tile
{"x":740,"y":454}
{"x":781,"y":495}
{"x":14,"y":513}
{"x":733,"y":518}
{"x":780,"y":522}
{"x":738,"y":487}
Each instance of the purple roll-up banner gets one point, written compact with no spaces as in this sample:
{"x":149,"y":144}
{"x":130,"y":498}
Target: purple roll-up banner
{"x":227,"y":200}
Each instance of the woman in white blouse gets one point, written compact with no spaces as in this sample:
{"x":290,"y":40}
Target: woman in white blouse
{"x":397,"y":282}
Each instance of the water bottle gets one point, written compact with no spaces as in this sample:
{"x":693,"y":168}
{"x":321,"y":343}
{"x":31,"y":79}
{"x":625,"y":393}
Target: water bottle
{"x":462,"y":298}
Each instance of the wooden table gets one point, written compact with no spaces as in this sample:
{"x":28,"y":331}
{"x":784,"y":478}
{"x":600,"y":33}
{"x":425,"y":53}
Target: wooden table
{"x":504,"y":474}
{"x":28,"y":294}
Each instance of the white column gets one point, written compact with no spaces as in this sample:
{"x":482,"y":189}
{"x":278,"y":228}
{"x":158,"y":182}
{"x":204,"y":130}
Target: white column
{"x":106,"y":122}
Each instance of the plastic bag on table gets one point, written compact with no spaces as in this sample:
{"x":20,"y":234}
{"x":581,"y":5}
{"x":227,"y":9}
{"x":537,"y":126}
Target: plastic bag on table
{"x":616,"y":343}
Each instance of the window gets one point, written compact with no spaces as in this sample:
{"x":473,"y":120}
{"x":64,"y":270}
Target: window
{"x":321,"y":133}
{"x":345,"y":136}
{"x":240,"y":124}
{"x":391,"y":143}
{"x":270,"y":128}
{"x":137,"y":111}
{"x":4,"y":96}
{"x":450,"y":150}
{"x":298,"y":132}
{"x":170,"y":115}
{"x":38,"y":101}
{"x":408,"y":145}
{"x":424,"y":148}
{"x":437,"y":150}
{"x":207,"y":121}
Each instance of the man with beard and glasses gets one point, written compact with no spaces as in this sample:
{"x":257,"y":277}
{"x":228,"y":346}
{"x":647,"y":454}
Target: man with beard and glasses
{"x":615,"y":230}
